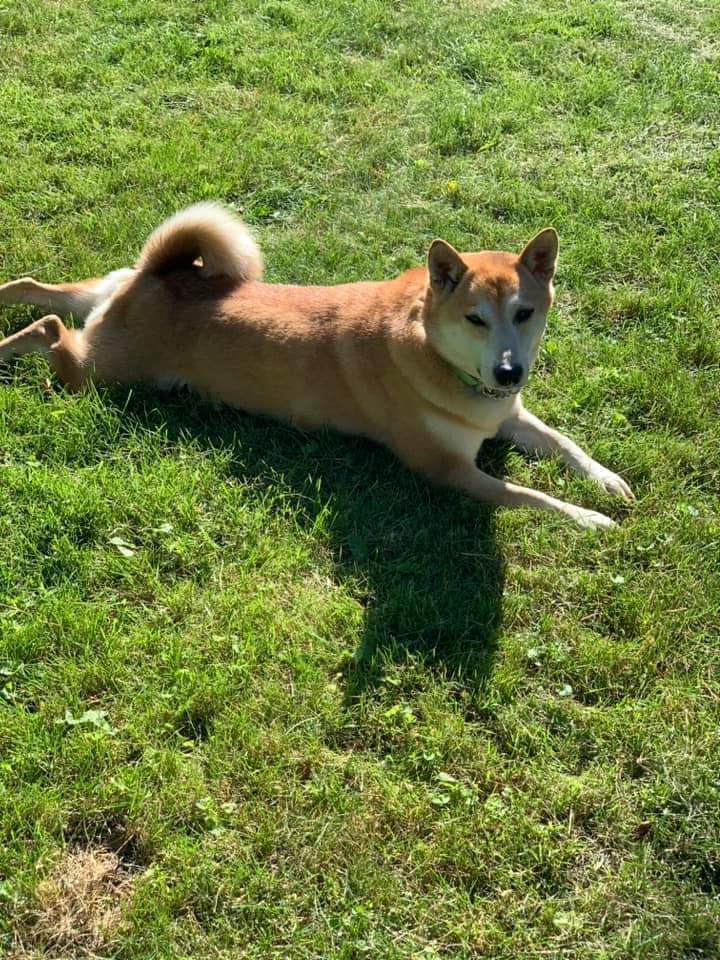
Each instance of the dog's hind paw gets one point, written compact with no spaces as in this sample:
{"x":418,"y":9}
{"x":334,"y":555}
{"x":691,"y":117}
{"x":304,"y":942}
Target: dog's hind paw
{"x":12,"y":292}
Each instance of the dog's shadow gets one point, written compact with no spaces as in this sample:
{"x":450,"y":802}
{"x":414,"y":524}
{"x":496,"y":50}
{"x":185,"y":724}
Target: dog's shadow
{"x":426,"y":559}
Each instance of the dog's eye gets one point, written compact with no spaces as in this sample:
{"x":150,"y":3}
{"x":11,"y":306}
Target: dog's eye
{"x":523,"y":314}
{"x":475,"y":320}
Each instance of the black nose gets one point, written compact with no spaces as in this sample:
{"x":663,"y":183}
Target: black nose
{"x":508,"y":374}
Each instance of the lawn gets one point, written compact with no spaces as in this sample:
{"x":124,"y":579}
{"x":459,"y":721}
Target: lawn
{"x":266,"y":694}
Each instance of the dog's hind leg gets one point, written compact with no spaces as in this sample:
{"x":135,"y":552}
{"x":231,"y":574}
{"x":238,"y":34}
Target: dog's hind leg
{"x":63,"y":348}
{"x":79,"y":298}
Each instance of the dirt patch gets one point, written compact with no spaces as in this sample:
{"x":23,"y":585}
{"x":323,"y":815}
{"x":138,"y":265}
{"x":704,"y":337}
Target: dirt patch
{"x":78,"y":908}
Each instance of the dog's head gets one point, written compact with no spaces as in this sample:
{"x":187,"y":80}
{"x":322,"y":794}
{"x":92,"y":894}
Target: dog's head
{"x":485,"y":312}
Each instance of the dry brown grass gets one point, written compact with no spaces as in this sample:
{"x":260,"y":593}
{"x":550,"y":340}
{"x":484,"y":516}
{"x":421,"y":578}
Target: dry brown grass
{"x":78,"y":907}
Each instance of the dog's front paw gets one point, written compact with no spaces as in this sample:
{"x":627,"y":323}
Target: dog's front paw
{"x":610,"y":482}
{"x":591,"y":519}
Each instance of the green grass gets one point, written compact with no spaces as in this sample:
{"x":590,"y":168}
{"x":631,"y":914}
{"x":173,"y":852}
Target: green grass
{"x":352,"y":715}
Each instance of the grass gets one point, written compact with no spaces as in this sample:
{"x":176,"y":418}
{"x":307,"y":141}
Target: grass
{"x":266,"y":694}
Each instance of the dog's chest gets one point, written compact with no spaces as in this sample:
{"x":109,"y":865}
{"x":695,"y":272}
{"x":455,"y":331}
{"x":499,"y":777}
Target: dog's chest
{"x":464,"y":437}
{"x":457,"y":438}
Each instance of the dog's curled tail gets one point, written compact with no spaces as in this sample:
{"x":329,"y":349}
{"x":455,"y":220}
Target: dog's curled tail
{"x":207,"y":232}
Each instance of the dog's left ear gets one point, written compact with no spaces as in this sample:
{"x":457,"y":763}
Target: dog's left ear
{"x":540,"y":255}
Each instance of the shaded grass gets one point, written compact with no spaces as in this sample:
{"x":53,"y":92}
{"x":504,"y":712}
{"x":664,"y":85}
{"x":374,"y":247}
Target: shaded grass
{"x":349,"y":714}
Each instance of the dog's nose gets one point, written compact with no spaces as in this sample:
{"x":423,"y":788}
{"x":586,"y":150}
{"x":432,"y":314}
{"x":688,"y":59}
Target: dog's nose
{"x":508,"y":374}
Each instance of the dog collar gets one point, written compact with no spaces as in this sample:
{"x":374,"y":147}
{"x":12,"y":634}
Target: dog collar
{"x":467,"y":378}
{"x":478,"y":387}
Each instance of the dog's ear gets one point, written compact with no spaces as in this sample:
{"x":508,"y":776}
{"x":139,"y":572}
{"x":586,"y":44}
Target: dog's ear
{"x":540,"y":255}
{"x":445,"y":266}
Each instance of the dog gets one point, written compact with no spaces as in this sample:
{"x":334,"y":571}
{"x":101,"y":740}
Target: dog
{"x":429,"y":364}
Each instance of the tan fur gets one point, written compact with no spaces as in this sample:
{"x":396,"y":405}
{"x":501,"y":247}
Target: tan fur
{"x":375,"y":359}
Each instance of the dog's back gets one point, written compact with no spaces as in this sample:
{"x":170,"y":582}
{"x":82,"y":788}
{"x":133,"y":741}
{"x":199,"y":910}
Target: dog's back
{"x":194,"y":313}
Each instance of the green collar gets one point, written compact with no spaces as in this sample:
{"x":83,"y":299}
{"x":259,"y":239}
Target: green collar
{"x":478,"y":387}
{"x":467,"y":378}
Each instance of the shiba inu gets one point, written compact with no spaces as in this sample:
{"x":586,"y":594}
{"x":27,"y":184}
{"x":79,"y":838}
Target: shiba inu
{"x":430,"y":364}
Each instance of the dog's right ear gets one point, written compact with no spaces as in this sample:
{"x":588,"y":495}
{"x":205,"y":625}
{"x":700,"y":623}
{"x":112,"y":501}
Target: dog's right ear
{"x":445,"y":266}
